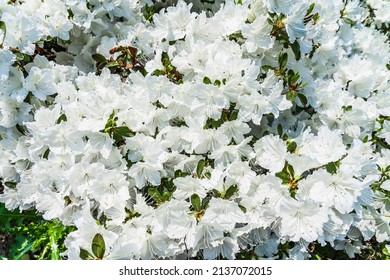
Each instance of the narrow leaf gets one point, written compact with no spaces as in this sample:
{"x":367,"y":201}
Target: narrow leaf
{"x":4,"y":29}
{"x":98,"y":58}
{"x":303,"y":99}
{"x":11,"y":185}
{"x":310,"y":9}
{"x":282,"y":60}
{"x":200,"y":167}
{"x":112,"y":64}
{"x":296,"y":49}
{"x":61,"y":118}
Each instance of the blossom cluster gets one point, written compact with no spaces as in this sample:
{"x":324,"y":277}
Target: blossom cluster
{"x":199,"y":129}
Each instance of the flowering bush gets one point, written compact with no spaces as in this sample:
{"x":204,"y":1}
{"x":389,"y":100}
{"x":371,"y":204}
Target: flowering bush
{"x":198,"y":129}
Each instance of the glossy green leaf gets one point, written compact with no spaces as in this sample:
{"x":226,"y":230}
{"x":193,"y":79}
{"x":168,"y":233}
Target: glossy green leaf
{"x":61,"y":118}
{"x":296,"y":50}
{"x":195,"y":202}
{"x":282,"y":60}
{"x":85,"y":255}
{"x":303,"y":99}
{"x":124,"y":131}
{"x":331,"y":168}
{"x":231,"y":191}
{"x":200,"y":167}
{"x":311,"y":8}
{"x":283,"y":176}
{"x":98,"y":58}
{"x":292,"y":147}
{"x":11,"y":185}
{"x":207,"y":81}
{"x":98,"y":246}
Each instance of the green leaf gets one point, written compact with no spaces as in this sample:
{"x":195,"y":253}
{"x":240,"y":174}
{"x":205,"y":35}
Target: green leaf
{"x":98,"y":246}
{"x":195,"y":202}
{"x":112,"y":64}
{"x":85,"y":255}
{"x":235,"y":36}
{"x":280,"y":130}
{"x":243,"y":209}
{"x":292,"y":147}
{"x":62,"y":118}
{"x":166,"y":196}
{"x":291,"y":95}
{"x":124,"y":131}
{"x":11,"y":185}
{"x":349,"y":21}
{"x":155,"y":194}
{"x":19,"y":56}
{"x":267,"y":68}
{"x":200,"y":167}
{"x":25,"y":250}
{"x":295,"y":78}
{"x":282,"y":60}
{"x":98,"y":58}
{"x":303,"y":99}
{"x":290,"y":170}
{"x":311,"y":8}
{"x":207,"y":81}
{"x":296,"y":50}
{"x":331,"y":168}
{"x":46,"y":154}
{"x":55,"y":254}
{"x":283,"y":176}
{"x":231,"y":191}
{"x":4,"y":29}
{"x":216,"y":193}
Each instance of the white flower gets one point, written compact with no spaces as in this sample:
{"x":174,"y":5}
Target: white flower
{"x":339,"y":190}
{"x":235,"y":130}
{"x":226,"y":214}
{"x":271,"y":152}
{"x":385,"y":132}
{"x":258,"y":34}
{"x":302,"y":220}
{"x":143,"y":172}
{"x":227,"y":250}
{"x":326,"y":147}
{"x":13,"y":112}
{"x":6,"y":60}
{"x":187,"y":186}
{"x":294,"y":22}
{"x":40,"y":83}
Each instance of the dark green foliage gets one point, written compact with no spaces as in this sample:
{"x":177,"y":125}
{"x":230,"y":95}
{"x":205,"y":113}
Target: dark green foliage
{"x":31,"y":237}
